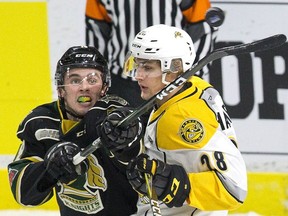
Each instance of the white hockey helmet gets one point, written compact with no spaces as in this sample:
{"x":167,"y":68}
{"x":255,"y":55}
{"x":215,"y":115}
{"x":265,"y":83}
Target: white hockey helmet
{"x":164,"y":43}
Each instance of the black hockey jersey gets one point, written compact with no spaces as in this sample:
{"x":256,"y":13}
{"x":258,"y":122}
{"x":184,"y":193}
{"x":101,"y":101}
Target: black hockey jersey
{"x":103,"y":190}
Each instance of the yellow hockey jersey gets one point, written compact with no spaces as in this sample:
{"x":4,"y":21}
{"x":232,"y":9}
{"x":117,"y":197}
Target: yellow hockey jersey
{"x":194,"y":130}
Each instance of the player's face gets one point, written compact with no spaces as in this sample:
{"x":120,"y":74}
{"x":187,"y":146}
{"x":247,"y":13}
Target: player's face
{"x":149,"y":77}
{"x":82,"y":89}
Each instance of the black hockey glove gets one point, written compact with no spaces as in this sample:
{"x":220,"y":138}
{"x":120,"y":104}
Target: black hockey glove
{"x":59,"y":162}
{"x":117,"y":138}
{"x":171,"y":182}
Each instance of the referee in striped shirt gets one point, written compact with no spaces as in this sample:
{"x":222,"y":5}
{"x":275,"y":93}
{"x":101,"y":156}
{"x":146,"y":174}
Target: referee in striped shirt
{"x":112,"y":24}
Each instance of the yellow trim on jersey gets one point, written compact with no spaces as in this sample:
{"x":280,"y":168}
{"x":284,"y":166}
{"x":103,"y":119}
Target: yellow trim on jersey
{"x":67,"y":125}
{"x":208,"y":193}
{"x":33,"y":159}
{"x":18,"y":185}
{"x":18,"y":188}
{"x":59,"y":109}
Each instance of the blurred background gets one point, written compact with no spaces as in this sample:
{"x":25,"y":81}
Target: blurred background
{"x":34,"y":35}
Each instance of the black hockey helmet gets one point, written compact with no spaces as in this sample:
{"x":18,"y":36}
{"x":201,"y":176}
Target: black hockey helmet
{"x":82,"y":57}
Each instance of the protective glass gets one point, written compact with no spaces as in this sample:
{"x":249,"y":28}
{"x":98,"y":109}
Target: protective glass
{"x":76,"y":80}
{"x":134,"y":67}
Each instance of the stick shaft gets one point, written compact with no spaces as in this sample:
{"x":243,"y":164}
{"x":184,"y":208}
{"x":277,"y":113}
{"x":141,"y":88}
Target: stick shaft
{"x":154,"y":203}
{"x":257,"y":46}
{"x":260,"y":45}
{"x":82,"y":155}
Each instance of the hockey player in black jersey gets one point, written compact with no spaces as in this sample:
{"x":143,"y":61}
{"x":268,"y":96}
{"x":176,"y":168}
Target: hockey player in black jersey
{"x":54,"y":132}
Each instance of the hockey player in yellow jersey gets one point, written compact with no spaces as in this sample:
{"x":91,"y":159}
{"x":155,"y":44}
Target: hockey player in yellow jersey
{"x":191,"y":147}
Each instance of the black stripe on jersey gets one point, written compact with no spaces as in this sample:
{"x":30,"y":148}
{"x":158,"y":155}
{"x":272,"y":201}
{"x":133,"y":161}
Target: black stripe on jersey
{"x":116,"y":46}
{"x":149,"y":12}
{"x":127,"y":10}
{"x":162,"y":6}
{"x":189,"y":95}
{"x":137,"y":16}
{"x":173,"y":13}
{"x":200,"y":48}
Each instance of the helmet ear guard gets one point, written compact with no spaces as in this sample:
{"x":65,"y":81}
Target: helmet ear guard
{"x":82,"y":57}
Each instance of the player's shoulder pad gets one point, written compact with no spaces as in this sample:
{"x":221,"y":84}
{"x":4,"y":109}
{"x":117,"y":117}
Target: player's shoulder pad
{"x":114,"y":99}
{"x":200,"y":83}
{"x":42,"y":112}
{"x":102,"y":107}
{"x":109,"y":102}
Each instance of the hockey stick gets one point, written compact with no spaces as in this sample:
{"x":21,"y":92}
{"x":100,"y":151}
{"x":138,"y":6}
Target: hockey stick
{"x":154,"y":204}
{"x":260,"y":45}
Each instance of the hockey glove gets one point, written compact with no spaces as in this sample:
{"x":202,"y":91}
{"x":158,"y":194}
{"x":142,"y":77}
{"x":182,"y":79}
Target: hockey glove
{"x":170,"y":182}
{"x":117,"y":138}
{"x":59,"y":162}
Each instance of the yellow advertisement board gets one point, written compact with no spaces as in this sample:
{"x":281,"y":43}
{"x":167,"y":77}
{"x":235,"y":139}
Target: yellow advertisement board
{"x":25,"y":76}
{"x":25,"y":72}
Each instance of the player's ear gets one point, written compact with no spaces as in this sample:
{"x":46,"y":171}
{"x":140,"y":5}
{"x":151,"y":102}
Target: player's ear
{"x":104,"y":90}
{"x":60,"y":92}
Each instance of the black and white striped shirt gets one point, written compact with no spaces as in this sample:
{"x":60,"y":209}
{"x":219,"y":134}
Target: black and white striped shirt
{"x":111,"y":25}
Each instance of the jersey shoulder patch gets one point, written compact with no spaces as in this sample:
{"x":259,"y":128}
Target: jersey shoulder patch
{"x":40,"y":122}
{"x":113,"y":99}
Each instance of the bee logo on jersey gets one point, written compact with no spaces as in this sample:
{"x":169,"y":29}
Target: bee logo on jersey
{"x":191,"y":131}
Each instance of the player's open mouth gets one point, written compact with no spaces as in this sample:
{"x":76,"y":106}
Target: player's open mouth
{"x":84,"y":99}
{"x":143,"y":88}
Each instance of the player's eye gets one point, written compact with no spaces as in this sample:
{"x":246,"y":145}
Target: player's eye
{"x":92,"y":80}
{"x":75,"y":81}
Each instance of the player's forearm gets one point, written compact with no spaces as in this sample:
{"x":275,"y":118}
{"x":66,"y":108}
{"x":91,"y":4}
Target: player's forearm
{"x":25,"y":178}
